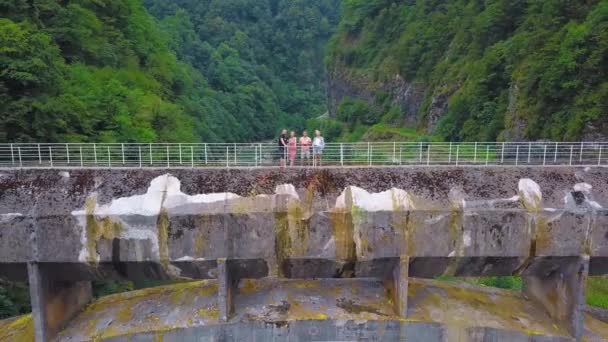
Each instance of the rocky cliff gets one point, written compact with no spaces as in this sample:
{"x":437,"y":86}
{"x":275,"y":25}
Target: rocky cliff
{"x":470,"y":70}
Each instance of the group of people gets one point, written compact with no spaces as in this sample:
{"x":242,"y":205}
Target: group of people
{"x":288,"y":148}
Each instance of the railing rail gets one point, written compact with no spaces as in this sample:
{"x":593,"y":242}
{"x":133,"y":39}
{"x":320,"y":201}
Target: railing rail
{"x":230,"y":155}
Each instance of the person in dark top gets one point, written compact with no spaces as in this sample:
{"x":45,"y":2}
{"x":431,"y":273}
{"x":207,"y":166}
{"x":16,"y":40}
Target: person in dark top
{"x":282,"y":147}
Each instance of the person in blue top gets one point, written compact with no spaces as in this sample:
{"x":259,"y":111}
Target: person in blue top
{"x":318,"y":144}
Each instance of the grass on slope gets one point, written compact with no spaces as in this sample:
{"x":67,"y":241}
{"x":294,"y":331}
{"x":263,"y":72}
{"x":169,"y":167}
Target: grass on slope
{"x":597,"y":287}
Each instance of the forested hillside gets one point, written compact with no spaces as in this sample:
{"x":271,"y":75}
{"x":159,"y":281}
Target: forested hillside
{"x":472,"y":69}
{"x":210,"y":70}
{"x":263,"y":60}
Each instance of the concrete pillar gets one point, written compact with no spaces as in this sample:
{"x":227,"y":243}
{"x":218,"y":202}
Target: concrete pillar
{"x":397,"y":285}
{"x":226,"y":288}
{"x":561,"y":292}
{"x":54,"y":303}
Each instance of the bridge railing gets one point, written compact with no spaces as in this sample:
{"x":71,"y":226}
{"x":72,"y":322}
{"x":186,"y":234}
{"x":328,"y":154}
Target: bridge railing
{"x":135,"y":155}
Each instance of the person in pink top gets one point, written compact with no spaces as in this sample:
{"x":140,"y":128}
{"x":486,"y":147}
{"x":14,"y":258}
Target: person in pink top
{"x":305,"y":143}
{"x":292,"y":148}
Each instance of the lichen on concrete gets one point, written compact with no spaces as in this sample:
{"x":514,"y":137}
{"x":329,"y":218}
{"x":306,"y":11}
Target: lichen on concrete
{"x":155,"y":309}
{"x":17,"y":329}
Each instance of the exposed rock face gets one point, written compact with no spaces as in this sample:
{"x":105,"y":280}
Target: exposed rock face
{"x":407,"y":96}
{"x":339,"y":86}
{"x":437,"y":109}
{"x":596,"y":131}
{"x":515,"y":124}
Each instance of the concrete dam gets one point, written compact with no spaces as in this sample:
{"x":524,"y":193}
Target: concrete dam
{"x":334,"y":254}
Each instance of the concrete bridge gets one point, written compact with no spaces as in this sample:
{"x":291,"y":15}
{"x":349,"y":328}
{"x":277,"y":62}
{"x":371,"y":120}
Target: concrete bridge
{"x":303,"y":254}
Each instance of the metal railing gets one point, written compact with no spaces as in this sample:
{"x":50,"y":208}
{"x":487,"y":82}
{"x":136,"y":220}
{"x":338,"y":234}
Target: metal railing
{"x":134,"y":155}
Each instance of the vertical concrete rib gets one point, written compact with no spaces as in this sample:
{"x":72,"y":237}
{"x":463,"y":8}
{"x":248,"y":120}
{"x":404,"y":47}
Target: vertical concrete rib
{"x":226,"y":287}
{"x":54,"y":303}
{"x":561,"y":292}
{"x":397,"y":285}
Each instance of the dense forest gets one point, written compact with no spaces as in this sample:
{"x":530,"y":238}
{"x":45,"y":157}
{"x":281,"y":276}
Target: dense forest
{"x":472,"y":69}
{"x":214,"y":70}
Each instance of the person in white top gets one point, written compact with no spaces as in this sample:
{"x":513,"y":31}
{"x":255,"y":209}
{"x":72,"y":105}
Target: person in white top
{"x":318,"y":144}
{"x":305,"y":144}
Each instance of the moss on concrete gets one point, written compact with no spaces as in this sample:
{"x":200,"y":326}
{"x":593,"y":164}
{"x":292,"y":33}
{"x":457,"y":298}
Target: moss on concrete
{"x":17,"y":329}
{"x":463,"y":306}
{"x":97,"y":229}
{"x":163,"y":237}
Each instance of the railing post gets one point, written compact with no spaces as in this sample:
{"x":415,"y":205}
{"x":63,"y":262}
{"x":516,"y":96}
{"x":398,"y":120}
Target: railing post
{"x":260,"y":154}
{"x":599,"y":157}
{"x":168,"y":162}
{"x":457,"y":153}
{"x":81,"y":160}
{"x":180,"y":154}
{"x":487,"y":154}
{"x":122,"y":147}
{"x":545,"y":156}
{"x":95,"y":153}
{"x":12,"y":155}
{"x":581,"y":155}
{"x":371,"y":154}
{"x":150,"y":148}
{"x":235,"y":162}
{"x":227,"y":157}
{"x":571,"y":153}
{"x":67,"y":152}
{"x":140,"y":161}
{"x":394,"y":151}
{"x":39,"y":155}
{"x":450,"y":154}
{"x":369,"y":158}
{"x":555,"y":154}
{"x":341,"y":154}
{"x":475,"y":151}
{"x":502,"y":154}
{"x":109,"y":157}
{"x":20,"y":161}
{"x":192,"y":156}
{"x":400,"y":155}
{"x":205,"y":154}
{"x":51,"y":155}
{"x":428,"y":154}
{"x":529,"y":152}
{"x":517,"y":156}
{"x":420,"y":153}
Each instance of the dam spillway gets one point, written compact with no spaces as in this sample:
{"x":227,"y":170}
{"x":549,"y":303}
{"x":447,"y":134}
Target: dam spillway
{"x":377,"y":226}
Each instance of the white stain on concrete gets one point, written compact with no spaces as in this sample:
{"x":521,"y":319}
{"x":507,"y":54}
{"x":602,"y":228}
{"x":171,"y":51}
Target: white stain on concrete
{"x":393,"y":199}
{"x":287,"y":189}
{"x":586,"y":190}
{"x":164,"y":191}
{"x":530,"y":193}
{"x":9,"y":216}
{"x":466,"y":238}
{"x":64,"y":174}
{"x":583,"y":187}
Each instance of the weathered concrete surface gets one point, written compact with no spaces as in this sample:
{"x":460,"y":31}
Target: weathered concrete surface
{"x":78,"y":225}
{"x":147,"y":224}
{"x":17,"y":329}
{"x":562,"y":294}
{"x":318,"y":310}
{"x":54,"y":302}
